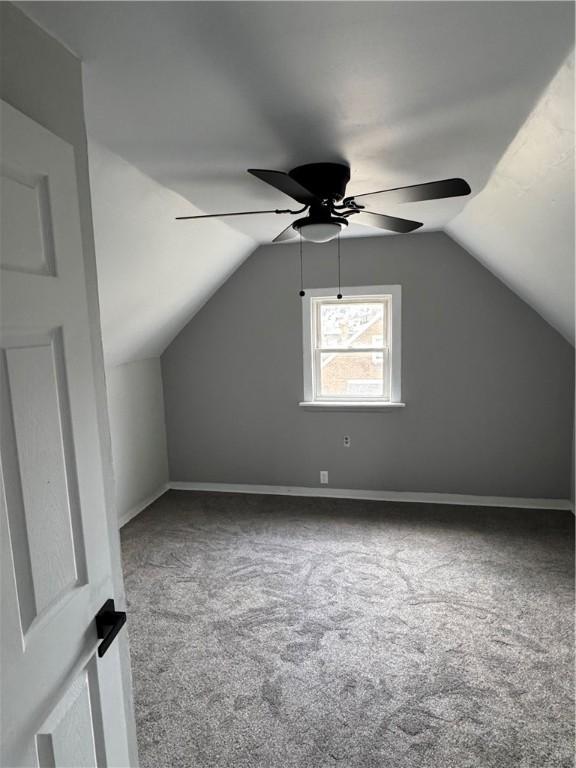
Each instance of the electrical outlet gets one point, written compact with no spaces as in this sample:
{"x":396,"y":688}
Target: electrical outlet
{"x":324,"y":476}
{"x":347,"y":441}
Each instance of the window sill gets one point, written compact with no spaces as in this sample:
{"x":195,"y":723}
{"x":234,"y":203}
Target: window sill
{"x":350,"y":406}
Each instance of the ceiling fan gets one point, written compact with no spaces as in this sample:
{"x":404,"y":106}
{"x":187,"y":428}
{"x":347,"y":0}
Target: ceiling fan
{"x":321,"y":189}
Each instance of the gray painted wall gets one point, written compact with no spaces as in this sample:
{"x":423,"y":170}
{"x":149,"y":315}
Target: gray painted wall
{"x":39,"y":77}
{"x":488,"y":384}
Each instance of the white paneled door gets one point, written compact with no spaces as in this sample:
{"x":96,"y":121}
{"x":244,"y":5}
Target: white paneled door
{"x":61,"y":704}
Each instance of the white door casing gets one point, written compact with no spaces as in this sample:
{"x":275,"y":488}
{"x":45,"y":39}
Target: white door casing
{"x":61,"y":705}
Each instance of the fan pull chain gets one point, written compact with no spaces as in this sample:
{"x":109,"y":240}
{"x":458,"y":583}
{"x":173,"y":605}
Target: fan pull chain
{"x":302,"y":291}
{"x":339,"y":296}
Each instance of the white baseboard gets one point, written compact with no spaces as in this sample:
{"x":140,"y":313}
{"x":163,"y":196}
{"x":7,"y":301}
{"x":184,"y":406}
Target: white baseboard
{"x":344,"y":493}
{"x":141,"y":506}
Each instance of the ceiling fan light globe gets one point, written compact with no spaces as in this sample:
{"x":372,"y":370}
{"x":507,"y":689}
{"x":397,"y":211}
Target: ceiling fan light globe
{"x":321,"y":232}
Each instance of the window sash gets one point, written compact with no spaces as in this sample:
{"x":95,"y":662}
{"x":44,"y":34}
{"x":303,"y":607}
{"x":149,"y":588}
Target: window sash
{"x":318,"y":350}
{"x":385,"y":378}
{"x":318,"y":303}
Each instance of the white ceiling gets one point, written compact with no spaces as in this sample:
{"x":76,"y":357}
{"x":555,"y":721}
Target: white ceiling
{"x":193,"y":93}
{"x":153,"y":275}
{"x":522,"y":225}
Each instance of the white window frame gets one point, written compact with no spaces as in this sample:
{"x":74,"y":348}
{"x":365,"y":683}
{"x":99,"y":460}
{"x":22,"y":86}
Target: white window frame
{"x":394,"y":292}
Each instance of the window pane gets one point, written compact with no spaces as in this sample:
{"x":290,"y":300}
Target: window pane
{"x":353,"y":376}
{"x":351,"y":325}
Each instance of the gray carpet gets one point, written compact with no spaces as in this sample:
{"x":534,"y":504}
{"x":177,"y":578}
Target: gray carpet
{"x":278,"y":632}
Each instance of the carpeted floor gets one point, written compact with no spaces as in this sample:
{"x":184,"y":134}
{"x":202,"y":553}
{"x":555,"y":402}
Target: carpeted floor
{"x":281,"y":632}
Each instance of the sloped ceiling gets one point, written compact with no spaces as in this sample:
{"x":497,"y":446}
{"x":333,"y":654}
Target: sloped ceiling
{"x":194,"y":93}
{"x":153,"y":275}
{"x":521,"y":226}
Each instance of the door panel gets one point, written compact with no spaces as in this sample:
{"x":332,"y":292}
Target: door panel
{"x":66,"y":706}
{"x":42,"y":474}
{"x":67,"y":736}
{"x":25,"y":199}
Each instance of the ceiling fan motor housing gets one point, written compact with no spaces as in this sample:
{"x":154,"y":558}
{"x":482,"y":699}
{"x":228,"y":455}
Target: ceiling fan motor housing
{"x":327,"y":181}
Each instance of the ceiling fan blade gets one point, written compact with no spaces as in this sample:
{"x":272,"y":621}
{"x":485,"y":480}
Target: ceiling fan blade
{"x":219,"y":215}
{"x":286,"y":184}
{"x":390,"y":223}
{"x":433,"y":190}
{"x":287,"y":234}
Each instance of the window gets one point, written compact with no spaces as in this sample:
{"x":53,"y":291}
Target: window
{"x":352,"y":347}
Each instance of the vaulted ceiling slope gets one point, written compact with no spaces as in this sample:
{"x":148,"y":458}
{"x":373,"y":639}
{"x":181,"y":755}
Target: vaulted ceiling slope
{"x":521,"y":226}
{"x":153,"y":275}
{"x":194,"y":93}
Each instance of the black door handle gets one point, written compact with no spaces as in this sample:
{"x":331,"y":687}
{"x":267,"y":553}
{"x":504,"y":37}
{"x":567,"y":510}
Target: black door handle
{"x":108,"y":623}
